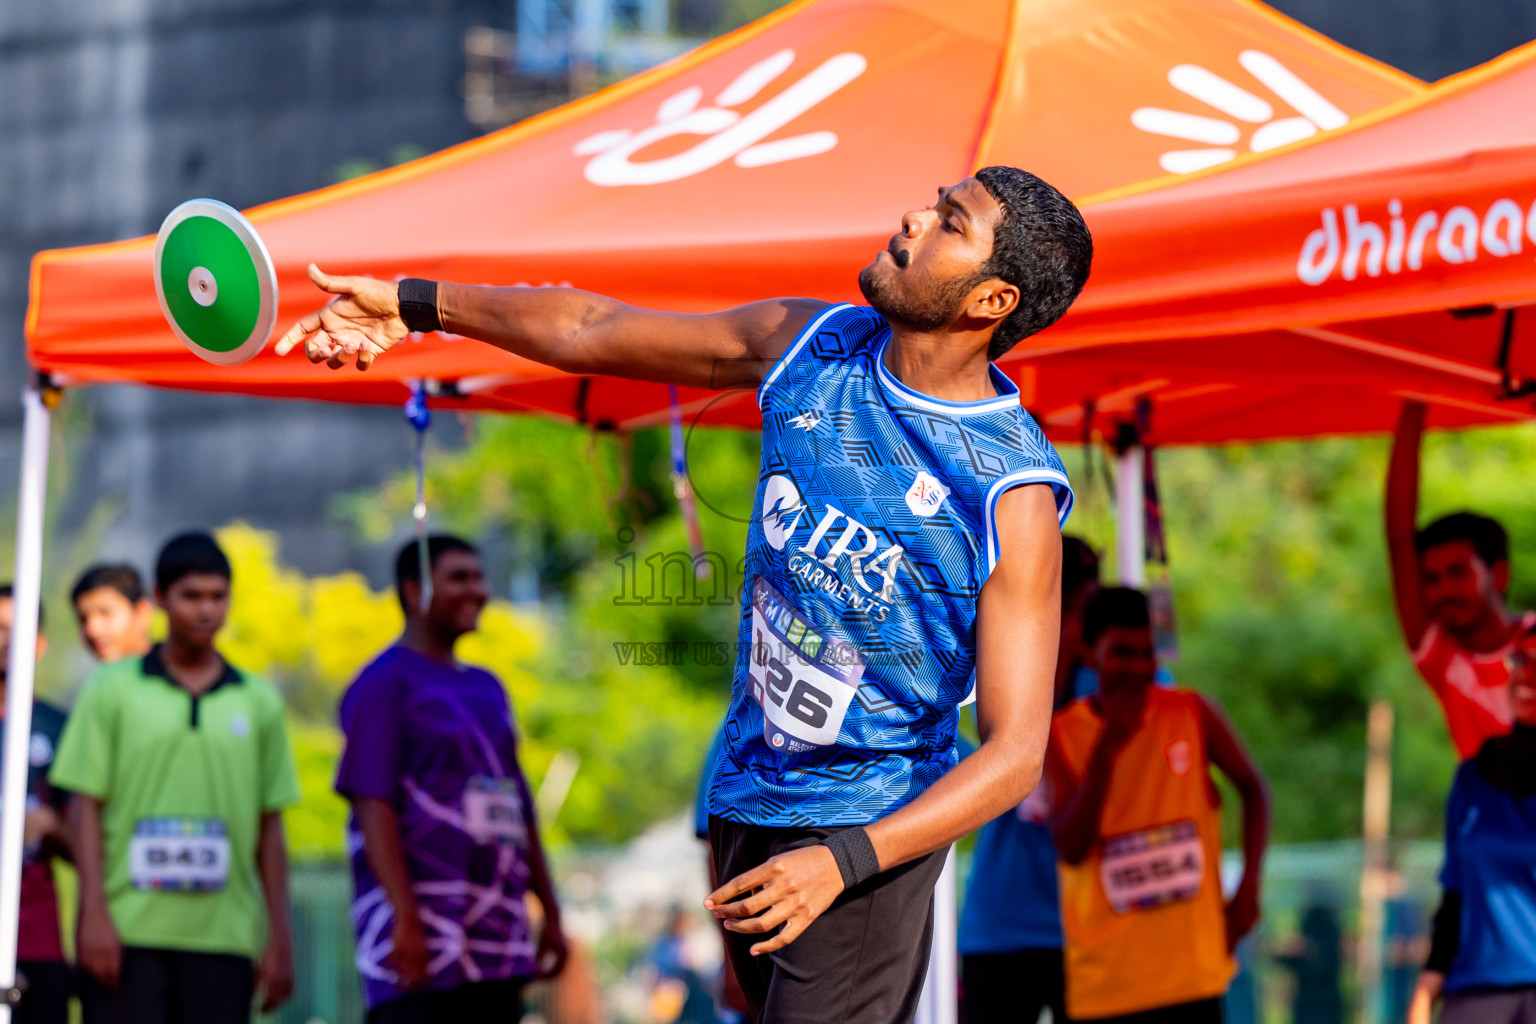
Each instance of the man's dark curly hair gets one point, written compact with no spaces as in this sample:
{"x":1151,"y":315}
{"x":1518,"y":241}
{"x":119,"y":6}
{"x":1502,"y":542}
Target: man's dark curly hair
{"x":1041,"y":246}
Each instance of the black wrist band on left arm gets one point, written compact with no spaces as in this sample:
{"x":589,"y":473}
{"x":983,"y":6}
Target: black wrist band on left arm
{"x":855,"y":855}
{"x":418,"y":305}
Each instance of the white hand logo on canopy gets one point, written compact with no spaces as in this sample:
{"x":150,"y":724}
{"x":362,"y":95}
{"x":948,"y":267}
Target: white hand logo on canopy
{"x":1317,"y":113}
{"x":727,"y":133}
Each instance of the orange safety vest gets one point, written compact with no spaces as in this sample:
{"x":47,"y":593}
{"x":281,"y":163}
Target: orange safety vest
{"x":1143,"y":914}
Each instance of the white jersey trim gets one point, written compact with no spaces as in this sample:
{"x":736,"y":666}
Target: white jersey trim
{"x":806,"y":334}
{"x":1040,"y":475}
{"x":1007,"y":397}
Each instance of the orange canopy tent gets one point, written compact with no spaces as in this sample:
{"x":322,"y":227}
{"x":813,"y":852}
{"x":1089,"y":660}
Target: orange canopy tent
{"x":1311,"y":291}
{"x":775,"y":161}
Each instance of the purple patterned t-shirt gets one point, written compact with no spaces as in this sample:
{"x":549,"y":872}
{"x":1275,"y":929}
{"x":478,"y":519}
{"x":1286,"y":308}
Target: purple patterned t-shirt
{"x":438,"y":742}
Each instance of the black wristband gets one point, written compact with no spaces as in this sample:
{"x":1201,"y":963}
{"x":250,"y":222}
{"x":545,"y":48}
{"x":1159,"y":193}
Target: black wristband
{"x":855,"y":855}
{"x":1445,"y":933}
{"x":418,"y":305}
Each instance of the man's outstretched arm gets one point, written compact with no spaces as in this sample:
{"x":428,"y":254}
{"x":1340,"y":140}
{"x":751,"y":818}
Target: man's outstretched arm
{"x":566,"y":328}
{"x":1402,"y":513}
{"x":1018,"y":623}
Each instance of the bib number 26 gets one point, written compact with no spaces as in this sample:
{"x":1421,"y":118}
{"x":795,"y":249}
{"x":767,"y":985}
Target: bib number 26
{"x":799,"y":698}
{"x":803,"y":680}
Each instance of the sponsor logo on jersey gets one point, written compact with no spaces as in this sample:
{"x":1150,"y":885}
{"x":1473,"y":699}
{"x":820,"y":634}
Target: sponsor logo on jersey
{"x":807,"y":420}
{"x":926,"y":495}
{"x":841,"y":556}
{"x":1180,"y":757}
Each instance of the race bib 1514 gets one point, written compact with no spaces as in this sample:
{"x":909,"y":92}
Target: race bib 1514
{"x":803,"y":680}
{"x":179,"y":854}
{"x":1153,"y":867}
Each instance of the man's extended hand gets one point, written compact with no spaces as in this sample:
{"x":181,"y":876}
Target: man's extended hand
{"x":362,"y":322}
{"x":792,"y":889}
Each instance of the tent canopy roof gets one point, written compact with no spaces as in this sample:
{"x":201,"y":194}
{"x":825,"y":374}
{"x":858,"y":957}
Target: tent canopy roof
{"x":778,"y":159}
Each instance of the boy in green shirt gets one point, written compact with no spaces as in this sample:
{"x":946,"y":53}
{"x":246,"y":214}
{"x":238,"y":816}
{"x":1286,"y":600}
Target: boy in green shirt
{"x":180,"y":767}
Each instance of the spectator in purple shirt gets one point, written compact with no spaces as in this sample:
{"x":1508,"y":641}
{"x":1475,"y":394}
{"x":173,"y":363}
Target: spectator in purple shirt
{"x":443,"y":838}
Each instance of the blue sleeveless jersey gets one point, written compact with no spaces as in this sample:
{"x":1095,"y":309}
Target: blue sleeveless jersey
{"x":874,"y":530}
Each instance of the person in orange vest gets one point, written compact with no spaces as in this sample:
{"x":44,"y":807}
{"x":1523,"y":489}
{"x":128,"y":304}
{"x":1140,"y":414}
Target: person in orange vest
{"x":1449,"y":581}
{"x":1137,"y":823}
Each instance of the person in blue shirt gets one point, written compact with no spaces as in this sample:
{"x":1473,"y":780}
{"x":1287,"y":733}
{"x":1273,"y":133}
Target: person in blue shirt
{"x":1482,"y":959}
{"x":1010,"y":928}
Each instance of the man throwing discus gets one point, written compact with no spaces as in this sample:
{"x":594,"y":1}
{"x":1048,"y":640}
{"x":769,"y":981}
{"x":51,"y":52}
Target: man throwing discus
{"x":905,"y":552}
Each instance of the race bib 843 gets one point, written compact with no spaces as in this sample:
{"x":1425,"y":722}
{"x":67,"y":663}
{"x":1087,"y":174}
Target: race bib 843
{"x":179,"y":854}
{"x":803,"y":680}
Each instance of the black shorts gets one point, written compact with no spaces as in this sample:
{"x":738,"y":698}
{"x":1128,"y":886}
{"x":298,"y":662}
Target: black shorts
{"x":1496,"y":1006}
{"x":480,"y":1002}
{"x":172,"y":986}
{"x":46,"y":999}
{"x":1203,"y":1011}
{"x":861,"y":962}
{"x":1012,"y":988}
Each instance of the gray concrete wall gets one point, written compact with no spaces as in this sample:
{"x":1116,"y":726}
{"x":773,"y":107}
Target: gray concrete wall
{"x":1427,"y":38}
{"x":116,"y":110}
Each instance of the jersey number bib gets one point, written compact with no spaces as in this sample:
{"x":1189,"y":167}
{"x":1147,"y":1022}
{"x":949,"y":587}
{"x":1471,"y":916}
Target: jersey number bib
{"x":493,"y":811}
{"x":179,"y":855}
{"x":1153,"y":867}
{"x":803,"y":681}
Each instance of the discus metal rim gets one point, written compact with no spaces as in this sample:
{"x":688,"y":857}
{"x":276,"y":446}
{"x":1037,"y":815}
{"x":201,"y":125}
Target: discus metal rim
{"x":266,"y":279}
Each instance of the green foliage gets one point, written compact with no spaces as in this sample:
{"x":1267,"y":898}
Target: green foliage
{"x":581,"y":509}
{"x":311,"y":636}
{"x":1278,"y":567}
{"x":315,"y":827}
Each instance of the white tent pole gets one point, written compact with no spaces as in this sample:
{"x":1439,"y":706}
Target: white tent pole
{"x":938,"y":1004}
{"x":19,"y":676}
{"x":1130,"y":518}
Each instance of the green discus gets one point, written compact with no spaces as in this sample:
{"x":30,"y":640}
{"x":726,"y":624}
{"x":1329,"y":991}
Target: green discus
{"x":216,"y":282}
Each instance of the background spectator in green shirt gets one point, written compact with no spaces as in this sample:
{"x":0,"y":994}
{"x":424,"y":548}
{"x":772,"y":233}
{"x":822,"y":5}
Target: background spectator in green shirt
{"x":180,"y":766}
{"x":114,"y":612}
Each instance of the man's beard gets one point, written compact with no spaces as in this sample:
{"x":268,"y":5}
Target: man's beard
{"x":939,"y":307}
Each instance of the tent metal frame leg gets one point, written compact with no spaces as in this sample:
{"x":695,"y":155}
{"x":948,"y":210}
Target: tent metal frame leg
{"x":20,"y":674}
{"x":940,"y":999}
{"x":1130,"y":518}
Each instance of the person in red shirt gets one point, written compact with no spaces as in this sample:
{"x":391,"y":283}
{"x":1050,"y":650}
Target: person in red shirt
{"x":1449,"y":580}
{"x":40,"y":959}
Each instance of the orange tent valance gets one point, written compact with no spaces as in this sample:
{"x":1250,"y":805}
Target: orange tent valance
{"x":778,"y":159}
